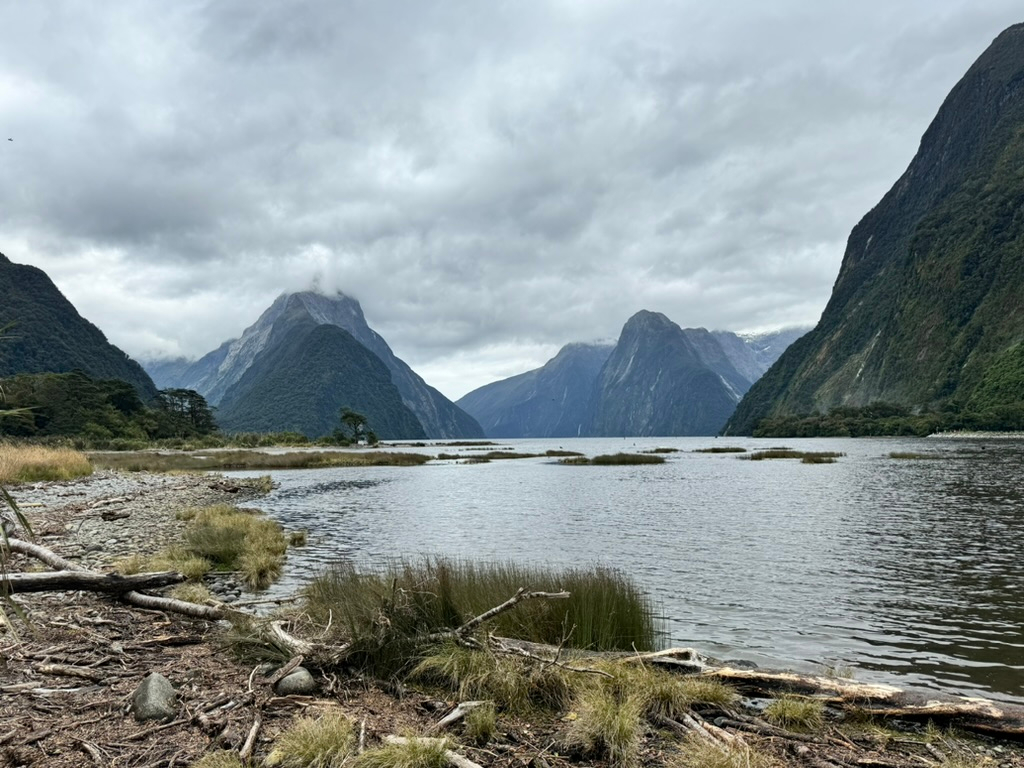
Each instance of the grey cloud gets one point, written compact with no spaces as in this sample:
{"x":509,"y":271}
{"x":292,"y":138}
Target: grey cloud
{"x":486,"y":178}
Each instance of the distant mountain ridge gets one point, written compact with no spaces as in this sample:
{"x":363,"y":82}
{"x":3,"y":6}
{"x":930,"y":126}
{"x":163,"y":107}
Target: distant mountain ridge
{"x":657,"y":379}
{"x":217,"y":372}
{"x":926,"y":312}
{"x":46,"y":333}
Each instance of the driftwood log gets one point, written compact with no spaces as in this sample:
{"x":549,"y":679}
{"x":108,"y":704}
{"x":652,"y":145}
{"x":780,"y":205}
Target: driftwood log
{"x":154,"y":602}
{"x":884,"y":701}
{"x":113,"y":583}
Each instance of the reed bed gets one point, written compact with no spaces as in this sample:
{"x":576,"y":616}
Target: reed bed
{"x":807,"y":457}
{"x":614,"y":459}
{"x":721,"y":449}
{"x":35,"y":463}
{"x":152,"y":461}
{"x":387,"y":609}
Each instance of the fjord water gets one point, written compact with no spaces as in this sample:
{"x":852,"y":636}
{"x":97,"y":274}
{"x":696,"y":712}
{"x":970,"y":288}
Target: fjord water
{"x":909,"y":571}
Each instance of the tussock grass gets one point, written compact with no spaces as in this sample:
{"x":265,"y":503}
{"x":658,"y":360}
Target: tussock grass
{"x":220,"y":759}
{"x":192,"y":592}
{"x":796,"y":713}
{"x":298,"y":538}
{"x":237,"y":539}
{"x":808,"y":457}
{"x":500,"y":455}
{"x":201,"y":461}
{"x":551,"y":454}
{"x":36,"y":463}
{"x":911,"y":455}
{"x":617,"y":459}
{"x":411,"y":754}
{"x":607,"y":726}
{"x":220,"y":537}
{"x":383,"y":608}
{"x":324,"y":742}
{"x":722,"y":449}
{"x":662,"y":450}
{"x":698,"y":753}
{"x":519,"y":684}
{"x":481,"y":723}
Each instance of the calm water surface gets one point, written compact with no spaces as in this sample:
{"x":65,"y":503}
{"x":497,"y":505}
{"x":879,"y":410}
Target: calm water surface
{"x":906,"y":571}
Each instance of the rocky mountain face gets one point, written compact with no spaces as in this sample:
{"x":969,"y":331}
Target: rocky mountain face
{"x":46,"y":334}
{"x":305,"y":373}
{"x":662,"y":380}
{"x":926,"y":311}
{"x":553,"y":401}
{"x":658,"y":379}
{"x":214,"y":374}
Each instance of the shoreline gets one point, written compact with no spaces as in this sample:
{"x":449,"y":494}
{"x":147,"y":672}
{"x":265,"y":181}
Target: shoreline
{"x":98,"y":519}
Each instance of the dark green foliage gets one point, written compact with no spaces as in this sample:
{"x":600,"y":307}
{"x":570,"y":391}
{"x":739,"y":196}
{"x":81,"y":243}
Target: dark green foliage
{"x":303,"y":380}
{"x":183,"y":413}
{"x":880,"y":419}
{"x":75,"y":405}
{"x":46,"y":334}
{"x":926,"y":309}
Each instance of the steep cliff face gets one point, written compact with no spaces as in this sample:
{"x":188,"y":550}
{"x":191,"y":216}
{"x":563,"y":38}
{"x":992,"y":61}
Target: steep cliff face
{"x":661,"y":380}
{"x":305,"y":373}
{"x":927,"y":298}
{"x":215,"y":373}
{"x":555,"y":400}
{"x":46,"y":333}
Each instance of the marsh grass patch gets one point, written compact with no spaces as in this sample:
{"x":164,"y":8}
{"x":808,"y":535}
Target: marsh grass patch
{"x":807,"y":457}
{"x":385,"y":609}
{"x":230,"y":460}
{"x":37,"y":463}
{"x":721,"y":449}
{"x":614,"y":459}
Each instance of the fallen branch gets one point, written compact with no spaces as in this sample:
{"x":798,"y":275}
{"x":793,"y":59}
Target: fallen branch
{"x":458,"y":713}
{"x":974,"y":714}
{"x":73,"y":581}
{"x":487,"y":615}
{"x":135,"y":598}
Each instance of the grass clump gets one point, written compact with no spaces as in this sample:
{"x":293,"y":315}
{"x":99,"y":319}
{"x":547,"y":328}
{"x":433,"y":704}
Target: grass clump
{"x":807,"y":457}
{"x":662,"y":450}
{"x":220,"y":537}
{"x":412,"y":753}
{"x":517,"y":683}
{"x":481,"y":723}
{"x":607,"y":725}
{"x":192,"y":592}
{"x":221,"y":759}
{"x":796,"y":713}
{"x":698,"y":753}
{"x":384,"y":609}
{"x":911,"y":455}
{"x":552,"y":454}
{"x":237,"y":539}
{"x":327,"y":741}
{"x":721,"y":449}
{"x":36,"y":463}
{"x":617,"y":459}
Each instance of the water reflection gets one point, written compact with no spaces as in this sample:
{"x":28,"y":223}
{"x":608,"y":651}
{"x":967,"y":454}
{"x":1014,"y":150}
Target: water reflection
{"x":906,"y":570}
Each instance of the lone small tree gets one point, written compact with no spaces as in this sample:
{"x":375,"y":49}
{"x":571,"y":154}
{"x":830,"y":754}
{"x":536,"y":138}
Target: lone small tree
{"x":353,"y":425}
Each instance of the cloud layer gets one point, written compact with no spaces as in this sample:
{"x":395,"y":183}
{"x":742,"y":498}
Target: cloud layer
{"x":491,"y":180}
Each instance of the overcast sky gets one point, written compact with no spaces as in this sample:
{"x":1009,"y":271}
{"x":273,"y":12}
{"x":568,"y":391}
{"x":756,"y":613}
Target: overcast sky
{"x":490,"y":179}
